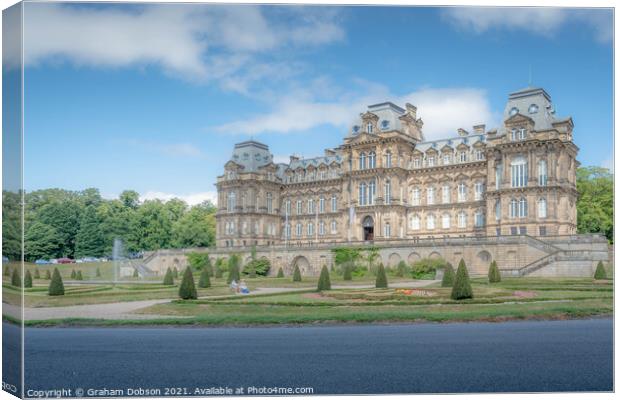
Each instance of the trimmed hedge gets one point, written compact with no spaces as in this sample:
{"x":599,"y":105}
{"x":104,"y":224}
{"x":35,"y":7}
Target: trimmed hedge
{"x":48,"y":275}
{"x":347,"y":273}
{"x":600,"y":271}
{"x":73,"y":274}
{"x":296,"y":274}
{"x":187,"y":290}
{"x":280,"y":273}
{"x":78,"y":276}
{"x":448,"y":276}
{"x":28,"y":279}
{"x":56,"y":288}
{"x":15,"y":279}
{"x":204,"y":281}
{"x":462,"y":286}
{"x":37,"y":274}
{"x":494,"y":275}
{"x":381,"y":282}
{"x":401,"y":269}
{"x":324,"y":281}
{"x":168,"y":278}
{"x":175,"y":273}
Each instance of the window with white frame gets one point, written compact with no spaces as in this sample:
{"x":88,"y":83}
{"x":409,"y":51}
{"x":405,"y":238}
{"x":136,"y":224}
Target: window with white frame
{"x":430,"y":195}
{"x":447,"y":158}
{"x":232,"y":202}
{"x":513,"y":209}
{"x":445,"y":194}
{"x":415,"y":196}
{"x":414,"y":222}
{"x":445,"y":221}
{"x":522,"y":207}
{"x":542,"y":208}
{"x":388,"y":159}
{"x":334,"y":203}
{"x":287,"y":231}
{"x":334,"y":226}
{"x":369,"y":127}
{"x":388,"y":192}
{"x":518,"y":172}
{"x":372,"y":160}
{"x":542,"y":173}
{"x":362,"y":161}
{"x":479,"y":155}
{"x":462,"y":192}
{"x":321,"y":228}
{"x":430,"y":161}
{"x":372,"y":192}
{"x":462,"y":156}
{"x":322,"y":204}
{"x":362,"y":194}
{"x":498,"y":176}
{"x":387,"y":230}
{"x":478,"y":190}
{"x":498,"y":210}
{"x":310,"y":229}
{"x":310,"y":206}
{"x":298,"y":229}
{"x":479,"y":219}
{"x":430,"y":221}
{"x":522,"y":133}
{"x":287,"y":207}
{"x":269,"y":203}
{"x":299,"y":207}
{"x":416,"y":162}
{"x":462,"y":219}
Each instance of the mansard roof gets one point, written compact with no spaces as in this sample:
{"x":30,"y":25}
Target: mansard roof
{"x":534,"y":103}
{"x":251,"y":155}
{"x":388,"y":115}
{"x":316,"y":161}
{"x":451,"y":142}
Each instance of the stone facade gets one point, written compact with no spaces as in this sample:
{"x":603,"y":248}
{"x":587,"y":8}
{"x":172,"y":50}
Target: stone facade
{"x":386,"y":182}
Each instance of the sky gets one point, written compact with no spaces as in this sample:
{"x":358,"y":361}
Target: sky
{"x":153,"y":97}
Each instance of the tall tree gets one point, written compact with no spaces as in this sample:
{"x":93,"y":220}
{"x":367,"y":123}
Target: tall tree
{"x":595,"y":206}
{"x":41,"y":241}
{"x":64,"y":217}
{"x":196,"y":228}
{"x":90,"y":240}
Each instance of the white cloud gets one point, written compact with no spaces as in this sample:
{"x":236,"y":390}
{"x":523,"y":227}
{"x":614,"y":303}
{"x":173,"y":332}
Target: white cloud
{"x":443,"y":111}
{"x":543,"y":21}
{"x":196,"y":42}
{"x":168,"y":149}
{"x":191,"y":198}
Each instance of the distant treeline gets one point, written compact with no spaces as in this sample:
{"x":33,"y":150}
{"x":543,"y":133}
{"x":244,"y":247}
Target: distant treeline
{"x":75,"y":224}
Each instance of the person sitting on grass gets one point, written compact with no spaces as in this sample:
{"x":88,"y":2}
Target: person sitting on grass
{"x":243,"y":287}
{"x":234,"y":286}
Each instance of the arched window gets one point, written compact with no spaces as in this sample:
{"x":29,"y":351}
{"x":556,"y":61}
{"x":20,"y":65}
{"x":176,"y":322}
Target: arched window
{"x":387,"y":230}
{"x":310,"y":206}
{"x":514,"y":208}
{"x":232,"y":201}
{"x":522,"y":207}
{"x":288,"y":207}
{"x":269,"y":203}
{"x":478,"y":190}
{"x":372,"y":192}
{"x":542,"y":173}
{"x":388,"y":159}
{"x":518,"y":171}
{"x":369,"y":127}
{"x":362,"y":194}
{"x":415,"y":222}
{"x":334,"y":203}
{"x":462,"y":192}
{"x":462,"y":219}
{"x":542,"y":208}
{"x":362,"y":161}
{"x":498,"y":209}
{"x":322,"y":204}
{"x":430,"y":195}
{"x":388,"y":192}
{"x":445,"y":221}
{"x":430,"y":222}
{"x":445,"y":194}
{"x":372,"y":159}
{"x":322,"y":228}
{"x":299,"y":207}
{"x":415,"y":196}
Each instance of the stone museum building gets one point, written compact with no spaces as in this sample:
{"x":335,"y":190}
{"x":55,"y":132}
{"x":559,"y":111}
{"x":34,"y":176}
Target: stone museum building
{"x":386,"y":182}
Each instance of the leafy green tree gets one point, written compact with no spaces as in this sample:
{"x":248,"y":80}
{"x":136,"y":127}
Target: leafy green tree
{"x":280,"y":273}
{"x":324,"y":281}
{"x":344,"y":255}
{"x":11,"y":224}
{"x":296,"y":274}
{"x":600,"y":271}
{"x":27,"y":279}
{"x":372,"y":253}
{"x":37,"y":274}
{"x":48,"y":276}
{"x":56,"y":287}
{"x":168,"y":278}
{"x":90,"y":240}
{"x":595,"y":205}
{"x":204,"y":281}
{"x":494,"y":275}
{"x":448,"y":276}
{"x":195,"y":228}
{"x":381,"y":281}
{"x":15,"y":279}
{"x":41,"y":241}
{"x":233,"y":268}
{"x":64,"y":217}
{"x":151,"y":227}
{"x":187,"y":290}
{"x":78,"y":276}
{"x":462,"y":286}
{"x":130,"y":199}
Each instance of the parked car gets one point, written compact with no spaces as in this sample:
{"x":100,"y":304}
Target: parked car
{"x":5,"y":259}
{"x":65,"y":260}
{"x":42,"y":262}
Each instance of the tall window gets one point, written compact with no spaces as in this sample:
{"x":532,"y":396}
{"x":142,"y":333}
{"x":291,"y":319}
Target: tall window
{"x":298,"y":229}
{"x":498,"y":176}
{"x":310,"y":229}
{"x":522,"y":207}
{"x":387,"y":230}
{"x":446,"y":159}
{"x":479,"y":219}
{"x":445,"y":221}
{"x":372,"y":160}
{"x":514,"y":208}
{"x":542,"y":173}
{"x":388,"y":192}
{"x":334,"y":226}
{"x":430,"y":221}
{"x":321,"y":228}
{"x":462,"y":156}
{"x":288,"y":207}
{"x":462,"y":219}
{"x":430,"y":195}
{"x":445,"y":194}
{"x":299,"y":205}
{"x":269,"y":203}
{"x":415,"y":222}
{"x":310,"y":206}
{"x":334,"y":203}
{"x":388,"y":159}
{"x":479,"y":155}
{"x":372,"y":192}
{"x":416,"y":162}
{"x":498,"y":209}
{"x":362,"y":194}
{"x":430,"y":161}
{"x":362,"y":160}
{"x":369,"y":127}
{"x":542,"y":208}
{"x":479,"y":190}
{"x":518,"y":172}
{"x":322,"y":204}
{"x":287,"y":231}
{"x":462,"y":192}
{"x":232,"y":201}
{"x":415,"y":196}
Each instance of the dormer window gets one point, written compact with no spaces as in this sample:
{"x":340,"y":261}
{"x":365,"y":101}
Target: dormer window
{"x":356,"y":129}
{"x":369,"y":127}
{"x":430,"y":161}
{"x":514,"y":111}
{"x":385,"y":124}
{"x":416,"y":162}
{"x":533,"y":109}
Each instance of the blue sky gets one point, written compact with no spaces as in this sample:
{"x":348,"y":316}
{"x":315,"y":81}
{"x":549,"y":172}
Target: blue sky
{"x":153,"y":97}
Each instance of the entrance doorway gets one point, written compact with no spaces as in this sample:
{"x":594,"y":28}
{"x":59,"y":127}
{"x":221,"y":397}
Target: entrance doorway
{"x":368,"y":227}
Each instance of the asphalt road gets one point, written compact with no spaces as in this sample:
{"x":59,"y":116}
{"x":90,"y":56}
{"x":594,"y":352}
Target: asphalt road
{"x":530,"y":356}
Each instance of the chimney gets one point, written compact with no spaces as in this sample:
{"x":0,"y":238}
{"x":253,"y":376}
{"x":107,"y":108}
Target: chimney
{"x":462,"y":132}
{"x":294,"y":158}
{"x":411,"y":109}
{"x":479,"y":129}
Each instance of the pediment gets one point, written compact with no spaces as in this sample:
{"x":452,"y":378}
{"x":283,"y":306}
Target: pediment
{"x":519,"y":119}
{"x":231,"y":165}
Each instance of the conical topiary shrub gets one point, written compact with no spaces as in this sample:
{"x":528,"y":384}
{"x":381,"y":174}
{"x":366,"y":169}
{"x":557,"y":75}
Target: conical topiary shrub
{"x":600,"y":271}
{"x":135,"y":273}
{"x":448,"y":276}
{"x":233,"y":273}
{"x":98,"y":273}
{"x":296,"y":274}
{"x":15,"y":279}
{"x":209,"y":267}
{"x":28,"y":279}
{"x":175,"y":273}
{"x":78,"y":276}
{"x":381,"y":282}
{"x":280,"y":273}
{"x":462,"y":287}
{"x":204,"y":281}
{"x":218,"y":272}
{"x":7,"y":271}
{"x":347,"y":272}
{"x":73,"y":274}
{"x":401,"y":269}
{"x":48,"y":275}
{"x":56,"y":287}
{"x":324,"y":281}
{"x":37,"y":274}
{"x":494,"y":275}
{"x":187,"y":290}
{"x":168,"y":278}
